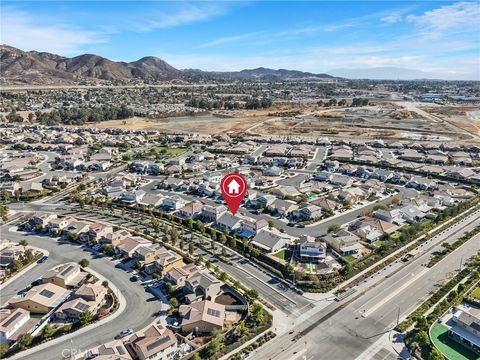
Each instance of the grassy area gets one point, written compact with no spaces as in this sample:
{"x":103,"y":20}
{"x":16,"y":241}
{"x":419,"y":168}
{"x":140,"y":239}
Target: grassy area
{"x":349,"y":258}
{"x":450,"y":348}
{"x":281,"y":254}
{"x":313,"y":268}
{"x":379,"y":242}
{"x":169,"y":151}
{"x":476,"y":293}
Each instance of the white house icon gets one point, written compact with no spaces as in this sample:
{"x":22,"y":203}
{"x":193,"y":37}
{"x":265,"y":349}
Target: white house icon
{"x":233,"y":187}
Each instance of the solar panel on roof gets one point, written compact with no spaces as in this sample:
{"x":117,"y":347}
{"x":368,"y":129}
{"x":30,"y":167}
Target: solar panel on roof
{"x":46,"y":293}
{"x":66,"y":271}
{"x":82,"y":307}
{"x":12,"y":319}
{"x":213,"y":312}
{"x":158,"y":343}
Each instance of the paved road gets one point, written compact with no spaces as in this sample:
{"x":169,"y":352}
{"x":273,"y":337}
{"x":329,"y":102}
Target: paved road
{"x":269,"y":287}
{"x":140,"y":308}
{"x":314,"y":230}
{"x":346,"y":329}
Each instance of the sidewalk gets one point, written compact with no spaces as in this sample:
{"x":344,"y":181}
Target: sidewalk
{"x":24,"y":270}
{"x":475,"y":213}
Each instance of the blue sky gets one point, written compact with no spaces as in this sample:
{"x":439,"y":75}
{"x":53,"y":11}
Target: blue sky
{"x":434,"y":36}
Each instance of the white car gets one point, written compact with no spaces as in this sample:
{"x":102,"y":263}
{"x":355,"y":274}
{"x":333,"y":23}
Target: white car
{"x":126,"y":332}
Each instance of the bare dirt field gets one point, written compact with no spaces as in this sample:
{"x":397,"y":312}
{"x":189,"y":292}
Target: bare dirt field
{"x":385,"y":120}
{"x":461,"y":116}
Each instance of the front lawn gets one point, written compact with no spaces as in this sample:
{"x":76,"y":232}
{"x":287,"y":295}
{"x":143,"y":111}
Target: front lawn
{"x":281,"y":254}
{"x":349,"y":258}
{"x":450,"y":348}
{"x":169,"y":151}
{"x":476,"y":293}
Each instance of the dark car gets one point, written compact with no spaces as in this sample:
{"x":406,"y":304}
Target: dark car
{"x":42,"y":259}
{"x":37,"y":282}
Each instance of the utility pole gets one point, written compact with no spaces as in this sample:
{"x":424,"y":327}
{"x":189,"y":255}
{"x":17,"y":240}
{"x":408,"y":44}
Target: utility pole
{"x":461,"y":262}
{"x":398,"y":315}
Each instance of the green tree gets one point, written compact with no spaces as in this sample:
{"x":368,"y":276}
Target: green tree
{"x":190,"y":248}
{"x":84,"y":263}
{"x":241,"y":329}
{"x":214,"y":347}
{"x":223,"y":276}
{"x":23,"y":243}
{"x":252,"y":294}
{"x":435,"y":354}
{"x":173,"y":302}
{"x":257,"y":314}
{"x":24,"y":341}
{"x":334,"y":228}
{"x":85,"y":317}
{"x":3,"y":350}
{"x":196,"y":356}
{"x":105,"y":283}
{"x":48,"y":331}
{"x":16,"y":265}
{"x":422,"y":338}
{"x":271,"y":224}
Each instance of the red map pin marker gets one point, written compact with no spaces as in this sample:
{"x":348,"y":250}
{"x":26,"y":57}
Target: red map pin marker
{"x":234,"y":187}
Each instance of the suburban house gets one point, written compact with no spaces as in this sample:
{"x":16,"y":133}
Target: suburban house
{"x":112,"y":350}
{"x":11,"y":321}
{"x":270,"y":240}
{"x":282,"y":207}
{"x":66,"y":276}
{"x":144,"y":255}
{"x":228,"y":222}
{"x":97,"y":231}
{"x":202,"y":317}
{"x":55,"y":226}
{"x":311,"y":250}
{"x":192,"y":210}
{"x":10,"y":253}
{"x":372,"y":229}
{"x":173,"y":202}
{"x":212,"y":213}
{"x":201,"y":286}
{"x":343,"y":242}
{"x":41,"y":299}
{"x":466,"y":329}
{"x":155,"y":343}
{"x":250,"y":227}
{"x":164,"y":262}
{"x":128,"y":245}
{"x":178,"y":276}
{"x":114,"y":238}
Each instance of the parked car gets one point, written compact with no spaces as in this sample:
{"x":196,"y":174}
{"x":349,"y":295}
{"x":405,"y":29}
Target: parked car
{"x":126,"y":332}
{"x":42,"y":259}
{"x":37,"y":282}
{"x":134,"y":277}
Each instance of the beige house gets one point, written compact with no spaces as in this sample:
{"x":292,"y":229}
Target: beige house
{"x":155,"y":343}
{"x":178,"y":276}
{"x":11,"y":321}
{"x":41,"y":299}
{"x":66,"y":276}
{"x":202,"y":317}
{"x":201,"y":286}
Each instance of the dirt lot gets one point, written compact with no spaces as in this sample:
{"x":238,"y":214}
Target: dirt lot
{"x":462,"y":116}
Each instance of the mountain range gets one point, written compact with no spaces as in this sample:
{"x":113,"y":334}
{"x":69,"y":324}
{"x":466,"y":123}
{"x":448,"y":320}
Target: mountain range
{"x":33,"y":67}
